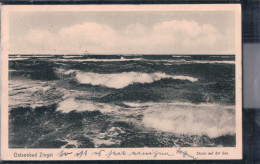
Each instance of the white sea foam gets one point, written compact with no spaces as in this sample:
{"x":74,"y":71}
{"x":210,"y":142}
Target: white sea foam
{"x":180,"y":56}
{"x":214,"y":62}
{"x":97,"y":60}
{"x":33,"y":93}
{"x":223,"y":56}
{"x":71,"y":104}
{"x":69,"y":72}
{"x":138,"y":59}
{"x":11,"y":59}
{"x":182,"y":61}
{"x":70,"y":142}
{"x":121,"y":80}
{"x":207,"y":119}
{"x":134,"y":104}
{"x":99,"y":142}
{"x":64,"y":72}
{"x":41,"y":56}
{"x":69,"y":57}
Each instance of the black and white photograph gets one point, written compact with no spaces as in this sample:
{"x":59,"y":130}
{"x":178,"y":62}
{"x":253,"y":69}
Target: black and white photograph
{"x":128,"y":77}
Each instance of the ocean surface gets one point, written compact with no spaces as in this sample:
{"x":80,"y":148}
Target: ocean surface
{"x":87,"y":101}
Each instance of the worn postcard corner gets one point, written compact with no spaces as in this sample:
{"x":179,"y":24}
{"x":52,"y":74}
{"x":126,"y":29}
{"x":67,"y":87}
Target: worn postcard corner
{"x":113,"y":82}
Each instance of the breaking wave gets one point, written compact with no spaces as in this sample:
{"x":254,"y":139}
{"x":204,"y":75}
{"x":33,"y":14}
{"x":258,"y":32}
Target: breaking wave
{"x":205,"y":119}
{"x":67,"y":59}
{"x":71,"y":104}
{"x":14,"y":59}
{"x":214,"y":62}
{"x":121,"y":80}
{"x":183,"y":61}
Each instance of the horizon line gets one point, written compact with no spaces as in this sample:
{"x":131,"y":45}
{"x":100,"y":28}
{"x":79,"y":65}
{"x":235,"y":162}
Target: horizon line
{"x":117,"y":54}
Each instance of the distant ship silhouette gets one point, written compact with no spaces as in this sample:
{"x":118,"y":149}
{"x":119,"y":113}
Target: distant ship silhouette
{"x":86,"y":53}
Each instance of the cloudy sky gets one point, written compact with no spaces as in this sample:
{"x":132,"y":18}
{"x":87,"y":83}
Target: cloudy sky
{"x":117,"y":32}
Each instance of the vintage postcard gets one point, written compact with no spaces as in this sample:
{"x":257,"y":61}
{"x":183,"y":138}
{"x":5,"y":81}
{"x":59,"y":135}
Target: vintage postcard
{"x":121,"y":82}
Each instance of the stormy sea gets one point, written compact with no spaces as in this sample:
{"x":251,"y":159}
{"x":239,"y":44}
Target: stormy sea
{"x":121,"y":101}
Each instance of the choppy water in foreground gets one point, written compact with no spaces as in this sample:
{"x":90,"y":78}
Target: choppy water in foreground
{"x":114,"y":101}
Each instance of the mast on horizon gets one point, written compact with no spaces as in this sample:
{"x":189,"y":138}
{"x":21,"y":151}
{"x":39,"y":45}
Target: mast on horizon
{"x":86,"y":53}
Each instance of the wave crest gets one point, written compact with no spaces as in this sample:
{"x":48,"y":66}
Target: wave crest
{"x":205,"y":119}
{"x":71,"y":104}
{"x":121,"y":80}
